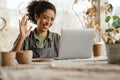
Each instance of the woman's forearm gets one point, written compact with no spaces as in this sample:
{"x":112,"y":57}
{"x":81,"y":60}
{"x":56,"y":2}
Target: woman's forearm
{"x":18,"y":44}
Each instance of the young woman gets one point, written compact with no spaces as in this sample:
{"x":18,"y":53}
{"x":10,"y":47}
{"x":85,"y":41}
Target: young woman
{"x":41,"y":41}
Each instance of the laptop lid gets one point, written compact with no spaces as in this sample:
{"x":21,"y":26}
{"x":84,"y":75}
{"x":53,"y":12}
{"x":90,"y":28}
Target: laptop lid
{"x":76,"y":43}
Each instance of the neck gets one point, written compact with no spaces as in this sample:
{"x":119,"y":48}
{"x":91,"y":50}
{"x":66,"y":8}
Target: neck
{"x":42,"y":33}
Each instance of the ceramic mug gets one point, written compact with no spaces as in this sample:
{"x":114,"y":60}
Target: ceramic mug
{"x":24,"y":56}
{"x":8,"y":58}
{"x":98,"y":49}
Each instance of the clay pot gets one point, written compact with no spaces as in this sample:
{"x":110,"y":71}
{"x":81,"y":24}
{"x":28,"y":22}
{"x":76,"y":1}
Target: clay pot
{"x":8,"y":58}
{"x":113,"y":53}
{"x":24,"y":56}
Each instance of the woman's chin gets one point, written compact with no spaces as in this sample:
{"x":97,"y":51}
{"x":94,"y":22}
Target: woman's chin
{"x":45,"y":30}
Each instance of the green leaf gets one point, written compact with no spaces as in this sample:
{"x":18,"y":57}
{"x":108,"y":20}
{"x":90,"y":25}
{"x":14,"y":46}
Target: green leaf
{"x":116,"y":24}
{"x":115,"y":17}
{"x":107,"y":19}
{"x":116,"y":21}
{"x":111,"y":7}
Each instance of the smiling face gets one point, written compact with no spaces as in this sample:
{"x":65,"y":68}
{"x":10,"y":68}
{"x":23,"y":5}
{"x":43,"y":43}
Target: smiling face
{"x":45,"y":20}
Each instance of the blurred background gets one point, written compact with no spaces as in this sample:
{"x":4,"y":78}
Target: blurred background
{"x":69,"y":14}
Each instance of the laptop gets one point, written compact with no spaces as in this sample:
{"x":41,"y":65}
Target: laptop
{"x":76,"y":43}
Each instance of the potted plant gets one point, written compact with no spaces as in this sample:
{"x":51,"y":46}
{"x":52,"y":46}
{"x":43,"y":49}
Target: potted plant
{"x":112,"y":38}
{"x":111,"y":35}
{"x":113,"y":30}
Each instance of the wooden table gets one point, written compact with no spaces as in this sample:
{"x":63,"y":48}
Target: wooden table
{"x":73,"y":69}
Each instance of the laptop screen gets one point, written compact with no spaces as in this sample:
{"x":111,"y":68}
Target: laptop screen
{"x":76,"y":43}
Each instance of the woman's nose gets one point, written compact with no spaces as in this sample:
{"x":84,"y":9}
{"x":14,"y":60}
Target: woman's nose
{"x":49,"y":22}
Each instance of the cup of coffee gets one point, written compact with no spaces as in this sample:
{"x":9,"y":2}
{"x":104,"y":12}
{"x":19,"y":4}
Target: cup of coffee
{"x":8,"y":58}
{"x":24,"y":56}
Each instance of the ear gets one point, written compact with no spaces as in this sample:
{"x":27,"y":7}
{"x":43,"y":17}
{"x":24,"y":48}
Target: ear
{"x":36,"y":17}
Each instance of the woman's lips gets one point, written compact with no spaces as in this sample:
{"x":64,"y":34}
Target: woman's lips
{"x":46,"y":27}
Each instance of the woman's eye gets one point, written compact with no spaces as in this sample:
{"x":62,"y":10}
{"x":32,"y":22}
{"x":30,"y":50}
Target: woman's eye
{"x":48,"y":18}
{"x":45,"y":17}
{"x":52,"y":19}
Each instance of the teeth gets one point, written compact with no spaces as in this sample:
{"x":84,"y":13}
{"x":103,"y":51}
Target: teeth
{"x":46,"y":26}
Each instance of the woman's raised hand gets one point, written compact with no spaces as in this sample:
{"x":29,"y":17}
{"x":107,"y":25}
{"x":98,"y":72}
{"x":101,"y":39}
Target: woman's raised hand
{"x":24,"y":32}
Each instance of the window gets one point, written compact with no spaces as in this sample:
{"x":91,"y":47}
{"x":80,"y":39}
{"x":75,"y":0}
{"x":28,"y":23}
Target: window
{"x":66,"y":17}
{"x":116,"y":6}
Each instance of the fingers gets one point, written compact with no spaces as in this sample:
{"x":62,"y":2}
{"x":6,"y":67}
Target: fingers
{"x":23,"y":24}
{"x":23,"y":21}
{"x":30,"y":28}
{"x":26,"y":20}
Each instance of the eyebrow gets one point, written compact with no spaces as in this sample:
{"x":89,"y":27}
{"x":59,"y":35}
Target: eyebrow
{"x":47,"y":15}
